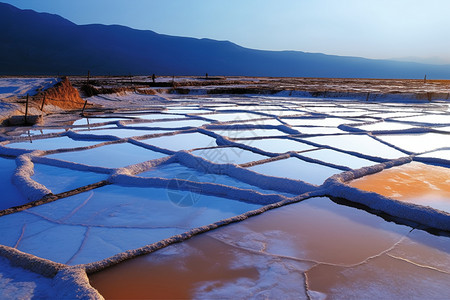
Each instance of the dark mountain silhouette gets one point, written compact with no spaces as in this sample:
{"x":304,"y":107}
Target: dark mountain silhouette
{"x":40,"y":43}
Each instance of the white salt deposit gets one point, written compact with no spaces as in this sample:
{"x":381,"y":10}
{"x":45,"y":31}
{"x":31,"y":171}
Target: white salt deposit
{"x":145,"y":202}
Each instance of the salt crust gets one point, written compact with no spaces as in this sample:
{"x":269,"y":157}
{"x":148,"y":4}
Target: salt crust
{"x":67,"y":282}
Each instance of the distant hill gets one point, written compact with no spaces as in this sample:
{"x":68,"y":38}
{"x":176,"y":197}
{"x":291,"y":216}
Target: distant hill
{"x":39,"y":43}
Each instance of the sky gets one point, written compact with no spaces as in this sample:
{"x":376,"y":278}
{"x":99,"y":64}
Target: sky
{"x":384,"y":29}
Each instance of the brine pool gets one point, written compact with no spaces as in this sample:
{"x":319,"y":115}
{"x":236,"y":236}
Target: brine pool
{"x":213,"y":200}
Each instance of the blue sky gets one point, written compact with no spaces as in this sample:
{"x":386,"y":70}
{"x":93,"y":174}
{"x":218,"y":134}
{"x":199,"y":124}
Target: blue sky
{"x":367,"y":28}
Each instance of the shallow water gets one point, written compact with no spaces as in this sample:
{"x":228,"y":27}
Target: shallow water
{"x":385,"y":126}
{"x":97,"y":224}
{"x":182,"y":141}
{"x":358,"y":143}
{"x":228,"y":155}
{"x":248,"y":133}
{"x":268,"y":254}
{"x":171,"y":124}
{"x":275,"y":145}
{"x":417,"y":143}
{"x":172,"y":278}
{"x":338,"y":158}
{"x":60,"y":180}
{"x":121,"y":132}
{"x":318,"y":122}
{"x":63,"y":142}
{"x":317,"y":130}
{"x":175,"y":170}
{"x":11,"y":196}
{"x":110,"y":156}
{"x":278,"y":112}
{"x":295,"y":168}
{"x":90,"y":121}
{"x":441,"y":154}
{"x":414,"y":182}
{"x":383,"y":277}
{"x":153,"y":116}
{"x":226,"y":117}
{"x":192,"y":110}
{"x":431,"y":119}
{"x":393,"y":114}
{"x":42,"y":131}
{"x":264,"y":121}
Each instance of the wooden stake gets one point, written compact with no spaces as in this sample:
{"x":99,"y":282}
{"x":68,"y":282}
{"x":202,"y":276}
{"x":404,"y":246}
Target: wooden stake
{"x":84,"y":106}
{"x":26,"y":109}
{"x":367,"y":98}
{"x":42,"y":105}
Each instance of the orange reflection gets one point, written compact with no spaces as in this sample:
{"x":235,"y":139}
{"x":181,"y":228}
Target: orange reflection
{"x":268,"y":246}
{"x":169,"y":275}
{"x":414,"y":182}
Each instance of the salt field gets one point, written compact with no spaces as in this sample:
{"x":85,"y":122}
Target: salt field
{"x":217,"y":196}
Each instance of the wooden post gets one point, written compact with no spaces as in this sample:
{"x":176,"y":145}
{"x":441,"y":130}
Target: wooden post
{"x":425,"y":79}
{"x":84,"y":106}
{"x":43,"y":101}
{"x":368,"y":95}
{"x":26,"y":109}
{"x":89,"y":76}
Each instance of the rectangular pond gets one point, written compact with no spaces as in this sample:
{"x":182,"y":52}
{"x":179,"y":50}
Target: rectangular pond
{"x":332,"y":122}
{"x":417,"y":143}
{"x":317,"y":130}
{"x":248,"y":133}
{"x":339,"y":158}
{"x":415,"y":182}
{"x":295,"y":168}
{"x":178,"y":171}
{"x":385,"y":126}
{"x":60,"y":180}
{"x":182,"y":141}
{"x":62,"y":142}
{"x":110,"y":156}
{"x":91,"y":121}
{"x":228,"y":155}
{"x":275,"y":145}
{"x":106,"y":221}
{"x":121,"y":132}
{"x":238,"y":116}
{"x":358,"y":143}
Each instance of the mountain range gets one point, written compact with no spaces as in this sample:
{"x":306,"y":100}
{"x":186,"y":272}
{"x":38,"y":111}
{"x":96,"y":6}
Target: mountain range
{"x":33,"y":43}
